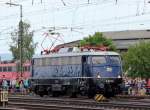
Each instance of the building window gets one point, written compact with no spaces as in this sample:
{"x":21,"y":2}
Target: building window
{"x":0,"y":69}
{"x":28,"y":68}
{"x":4,"y":69}
{"x":9,"y":68}
{"x":25,"y":68}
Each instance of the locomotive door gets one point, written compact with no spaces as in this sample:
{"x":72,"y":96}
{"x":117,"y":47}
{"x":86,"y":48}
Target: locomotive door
{"x":85,"y":67}
{"x":32,"y":67}
{"x":90,"y":86}
{"x":86,"y":70}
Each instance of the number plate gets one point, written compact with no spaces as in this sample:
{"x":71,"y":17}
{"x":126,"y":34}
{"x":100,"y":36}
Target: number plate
{"x":4,"y":96}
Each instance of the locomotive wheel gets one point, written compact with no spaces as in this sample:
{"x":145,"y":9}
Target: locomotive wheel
{"x":82,"y":93}
{"x":109,"y":92}
{"x":71,"y":92}
{"x":35,"y":91}
{"x":49,"y":92}
{"x":91,"y":94}
{"x":55,"y":94}
{"x":41,"y":94}
{"x":73,"y":95}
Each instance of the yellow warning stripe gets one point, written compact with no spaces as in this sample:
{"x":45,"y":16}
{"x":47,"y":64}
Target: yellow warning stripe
{"x":96,"y":97}
{"x":99,"y":97}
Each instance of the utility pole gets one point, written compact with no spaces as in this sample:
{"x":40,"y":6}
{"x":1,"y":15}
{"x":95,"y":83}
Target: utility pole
{"x":20,"y":41}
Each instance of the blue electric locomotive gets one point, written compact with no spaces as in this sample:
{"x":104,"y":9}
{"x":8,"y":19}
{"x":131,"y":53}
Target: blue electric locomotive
{"x":77,"y":72}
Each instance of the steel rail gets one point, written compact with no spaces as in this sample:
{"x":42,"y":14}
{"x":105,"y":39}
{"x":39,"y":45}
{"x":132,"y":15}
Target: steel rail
{"x":126,"y":104}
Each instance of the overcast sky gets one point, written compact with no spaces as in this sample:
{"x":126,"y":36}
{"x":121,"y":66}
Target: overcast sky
{"x":84,"y":18}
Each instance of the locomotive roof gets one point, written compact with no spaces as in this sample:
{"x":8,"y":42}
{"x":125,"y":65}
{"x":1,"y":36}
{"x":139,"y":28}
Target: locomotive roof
{"x":76,"y":54}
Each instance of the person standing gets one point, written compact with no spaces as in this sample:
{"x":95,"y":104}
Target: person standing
{"x":4,"y":83}
{"x":21,"y":86}
{"x":13,"y":85}
{"x":17,"y":85}
{"x":26,"y":85}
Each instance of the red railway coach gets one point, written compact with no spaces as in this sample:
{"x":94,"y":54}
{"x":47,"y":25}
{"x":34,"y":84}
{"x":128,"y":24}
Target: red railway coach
{"x":9,"y":70}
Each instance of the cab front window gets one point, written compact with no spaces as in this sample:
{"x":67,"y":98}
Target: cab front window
{"x":115,"y":60}
{"x":99,"y":60}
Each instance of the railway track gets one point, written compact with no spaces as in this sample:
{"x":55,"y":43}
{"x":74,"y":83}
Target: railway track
{"x":34,"y":106}
{"x":133,"y":97}
{"x":33,"y":103}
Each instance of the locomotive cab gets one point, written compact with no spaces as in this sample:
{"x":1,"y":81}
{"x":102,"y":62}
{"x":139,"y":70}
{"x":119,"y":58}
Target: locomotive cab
{"x":103,"y":74}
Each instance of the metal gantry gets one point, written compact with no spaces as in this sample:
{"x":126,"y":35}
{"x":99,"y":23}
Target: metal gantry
{"x":20,"y":40}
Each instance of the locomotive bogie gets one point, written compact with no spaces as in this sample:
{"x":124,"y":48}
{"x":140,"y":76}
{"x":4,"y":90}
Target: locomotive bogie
{"x":88,"y":87}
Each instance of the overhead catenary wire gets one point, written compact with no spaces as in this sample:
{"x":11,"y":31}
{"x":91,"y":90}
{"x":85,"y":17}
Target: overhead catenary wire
{"x":63,"y":2}
{"x":30,"y":13}
{"x":138,"y":6}
{"x":144,"y":7}
{"x":121,"y":18}
{"x":116,"y":2}
{"x":117,"y":24}
{"x":105,"y":22}
{"x":89,"y":2}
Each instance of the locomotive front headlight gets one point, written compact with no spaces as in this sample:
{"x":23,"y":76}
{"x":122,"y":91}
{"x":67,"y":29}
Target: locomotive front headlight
{"x":119,"y":76}
{"x":98,"y":76}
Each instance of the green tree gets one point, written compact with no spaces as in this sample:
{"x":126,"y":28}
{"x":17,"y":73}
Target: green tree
{"x":98,"y":39}
{"x":137,"y":60}
{"x":28,"y":46}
